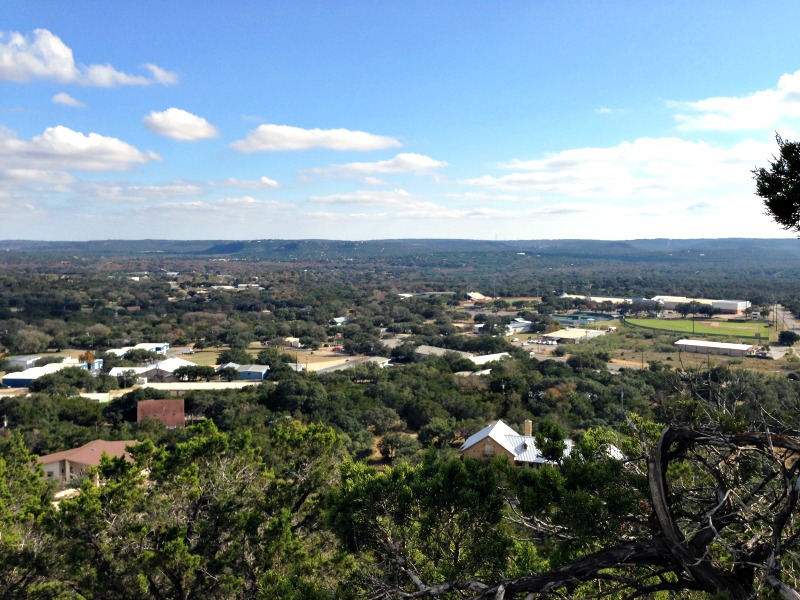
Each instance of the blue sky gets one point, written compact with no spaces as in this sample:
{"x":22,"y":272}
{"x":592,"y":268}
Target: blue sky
{"x":371,"y":120}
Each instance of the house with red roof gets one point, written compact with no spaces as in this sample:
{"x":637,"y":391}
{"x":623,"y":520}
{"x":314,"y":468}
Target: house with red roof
{"x":75,"y":463}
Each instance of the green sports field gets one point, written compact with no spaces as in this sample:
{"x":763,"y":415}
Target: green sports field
{"x":714,"y":328}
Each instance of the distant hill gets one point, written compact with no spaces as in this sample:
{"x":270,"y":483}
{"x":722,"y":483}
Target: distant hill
{"x":315,"y":250}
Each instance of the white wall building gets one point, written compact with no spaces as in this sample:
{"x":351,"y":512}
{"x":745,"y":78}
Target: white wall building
{"x":721,"y":348}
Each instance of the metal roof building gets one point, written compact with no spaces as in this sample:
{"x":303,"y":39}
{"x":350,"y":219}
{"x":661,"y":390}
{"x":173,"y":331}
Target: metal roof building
{"x":498,"y":439}
{"x":571,"y":336}
{"x":722,"y":348}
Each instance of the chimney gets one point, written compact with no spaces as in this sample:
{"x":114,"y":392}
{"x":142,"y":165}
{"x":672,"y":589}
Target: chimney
{"x":528,"y":427}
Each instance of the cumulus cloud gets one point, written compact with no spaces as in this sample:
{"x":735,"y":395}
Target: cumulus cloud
{"x":180,"y":125}
{"x":43,"y":55}
{"x":644,"y":168}
{"x":276,"y":138}
{"x":62,"y":149}
{"x":252,"y":184}
{"x":406,"y":162}
{"x":67,"y":100}
{"x":760,"y":110}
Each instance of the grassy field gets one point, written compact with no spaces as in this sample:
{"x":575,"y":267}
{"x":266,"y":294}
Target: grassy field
{"x":715,"y":328}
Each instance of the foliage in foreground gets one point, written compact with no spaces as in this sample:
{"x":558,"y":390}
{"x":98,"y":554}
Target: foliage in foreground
{"x":707,"y":503}
{"x":691,"y":510}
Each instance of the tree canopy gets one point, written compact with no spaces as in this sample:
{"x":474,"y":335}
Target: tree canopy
{"x":779,"y":185}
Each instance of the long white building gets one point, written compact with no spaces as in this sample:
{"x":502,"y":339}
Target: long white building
{"x":722,"y":348}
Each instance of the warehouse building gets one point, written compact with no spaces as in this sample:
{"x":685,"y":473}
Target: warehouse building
{"x":720,"y":348}
{"x":572,"y":336}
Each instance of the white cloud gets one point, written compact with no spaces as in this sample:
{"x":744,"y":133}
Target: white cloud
{"x":441,"y":212}
{"x":275,"y":138}
{"x":37,"y":176}
{"x":161,"y":76}
{"x":43,"y":55}
{"x":407,"y":162}
{"x":121,"y":193}
{"x":252,"y":184}
{"x":761,"y":110}
{"x":644,"y":168}
{"x":180,"y":125}
{"x":67,"y":100}
{"x":62,"y":149}
{"x":484,"y":197}
{"x":605,"y":110}
{"x":368,"y":197}
{"x":238,"y":208}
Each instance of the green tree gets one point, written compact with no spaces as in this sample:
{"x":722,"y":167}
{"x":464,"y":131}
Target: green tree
{"x":26,"y":557}
{"x":438,"y":521}
{"x":240,"y":356}
{"x":195,"y":373}
{"x":64,"y":382}
{"x":274,"y":357}
{"x":205,"y":518}
{"x":140,"y":356}
{"x":788,"y":338}
{"x":228,"y":373}
{"x":438,"y":432}
{"x":778,"y":186}
{"x":396,"y":445}
{"x":665,"y":515}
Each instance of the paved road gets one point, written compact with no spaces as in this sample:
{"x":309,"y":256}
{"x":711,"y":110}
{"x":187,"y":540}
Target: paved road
{"x":786,"y":319}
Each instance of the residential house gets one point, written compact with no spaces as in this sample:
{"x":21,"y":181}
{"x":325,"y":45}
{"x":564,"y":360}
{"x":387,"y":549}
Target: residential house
{"x":170,"y":412}
{"x":498,"y":439}
{"x":75,"y":463}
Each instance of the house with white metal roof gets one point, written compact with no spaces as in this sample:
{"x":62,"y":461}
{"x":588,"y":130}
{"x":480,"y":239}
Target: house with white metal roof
{"x":498,"y":439}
